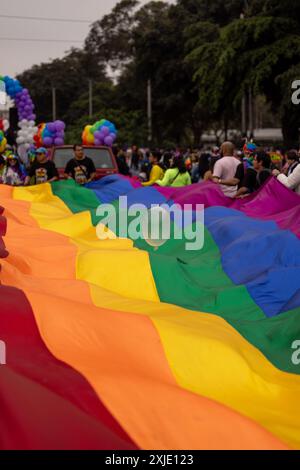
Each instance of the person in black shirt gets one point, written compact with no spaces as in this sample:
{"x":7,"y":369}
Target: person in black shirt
{"x":257,"y":176}
{"x":11,"y":136}
{"x":42,"y":170}
{"x":121,"y":161}
{"x":204,"y":164}
{"x":135,"y":159}
{"x":81,"y":168}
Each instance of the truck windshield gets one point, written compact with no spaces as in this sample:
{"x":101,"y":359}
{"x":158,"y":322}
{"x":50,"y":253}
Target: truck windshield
{"x":101,"y":157}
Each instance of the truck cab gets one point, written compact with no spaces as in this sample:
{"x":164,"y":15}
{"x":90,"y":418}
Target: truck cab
{"x":102,"y":157}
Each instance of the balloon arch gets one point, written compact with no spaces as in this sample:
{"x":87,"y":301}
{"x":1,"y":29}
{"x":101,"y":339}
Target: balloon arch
{"x":26,"y":112}
{"x":29,"y":134}
{"x":103,"y":132}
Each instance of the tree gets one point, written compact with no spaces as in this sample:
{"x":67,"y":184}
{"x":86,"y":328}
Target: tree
{"x":69,"y":76}
{"x":200,"y":55}
{"x":110,"y":39}
{"x":254,"y":52}
{"x":130,"y":125}
{"x":218,"y":12}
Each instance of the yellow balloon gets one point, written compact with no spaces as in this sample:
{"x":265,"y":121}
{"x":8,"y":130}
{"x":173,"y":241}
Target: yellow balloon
{"x":90,"y":138}
{"x":3,"y":145}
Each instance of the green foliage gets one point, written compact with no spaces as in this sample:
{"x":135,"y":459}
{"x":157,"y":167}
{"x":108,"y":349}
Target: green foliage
{"x":110,"y":38}
{"x":219,"y":12}
{"x":131,"y":125}
{"x":256,"y":53}
{"x":201,"y":57}
{"x":69,"y":76}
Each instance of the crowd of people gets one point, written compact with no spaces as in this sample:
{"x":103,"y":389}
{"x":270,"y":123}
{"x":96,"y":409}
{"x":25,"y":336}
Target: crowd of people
{"x":238,"y":172}
{"x":40,"y":169}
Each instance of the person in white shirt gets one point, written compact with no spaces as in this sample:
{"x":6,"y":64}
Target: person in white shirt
{"x":225,"y":170}
{"x":292,"y":180}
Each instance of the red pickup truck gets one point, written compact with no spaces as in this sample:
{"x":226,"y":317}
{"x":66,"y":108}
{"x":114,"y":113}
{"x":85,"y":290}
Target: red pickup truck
{"x":102,"y":157}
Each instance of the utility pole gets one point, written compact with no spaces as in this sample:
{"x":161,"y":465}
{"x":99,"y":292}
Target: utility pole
{"x":244,"y":111}
{"x":251,"y":121}
{"x":256,"y":116}
{"x":149,"y":110}
{"x":53,"y":103}
{"x":90,"y":98}
{"x":244,"y":99}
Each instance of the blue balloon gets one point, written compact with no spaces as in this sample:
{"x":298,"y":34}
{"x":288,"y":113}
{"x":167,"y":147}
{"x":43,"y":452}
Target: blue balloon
{"x":47,"y":133}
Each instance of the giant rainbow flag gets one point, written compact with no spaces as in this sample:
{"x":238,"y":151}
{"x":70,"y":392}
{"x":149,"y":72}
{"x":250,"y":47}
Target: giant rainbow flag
{"x":116,"y":345}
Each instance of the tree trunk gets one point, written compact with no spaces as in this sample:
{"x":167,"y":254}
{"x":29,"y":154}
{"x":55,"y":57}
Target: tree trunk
{"x":226,"y":127}
{"x":197,"y":132}
{"x":290,"y":130}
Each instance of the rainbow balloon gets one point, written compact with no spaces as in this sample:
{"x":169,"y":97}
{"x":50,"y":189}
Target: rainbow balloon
{"x":3,"y":142}
{"x":50,"y":134}
{"x":101,"y":133}
{"x":117,"y":344}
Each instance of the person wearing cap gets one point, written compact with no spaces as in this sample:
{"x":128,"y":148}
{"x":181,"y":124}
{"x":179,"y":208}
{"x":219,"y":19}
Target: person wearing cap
{"x":31,"y":156}
{"x":14,"y":173}
{"x":42,"y":170}
{"x":120,"y":156}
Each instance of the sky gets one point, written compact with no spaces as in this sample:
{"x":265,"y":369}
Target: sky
{"x":17,"y":56}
